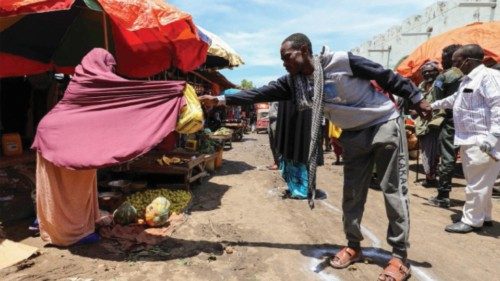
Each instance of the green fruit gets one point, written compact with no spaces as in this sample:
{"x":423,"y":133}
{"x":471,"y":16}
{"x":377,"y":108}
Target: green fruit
{"x":125,"y":214}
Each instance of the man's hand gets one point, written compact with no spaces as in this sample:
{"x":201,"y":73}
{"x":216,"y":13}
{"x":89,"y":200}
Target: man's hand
{"x":413,"y":113}
{"x":423,"y":109}
{"x":208,"y":101}
{"x":489,"y":144}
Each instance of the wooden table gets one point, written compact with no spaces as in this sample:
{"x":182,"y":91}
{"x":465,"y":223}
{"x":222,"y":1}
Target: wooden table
{"x":192,"y":168}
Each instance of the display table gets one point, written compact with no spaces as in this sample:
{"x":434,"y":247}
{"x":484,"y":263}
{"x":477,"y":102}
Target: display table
{"x":223,"y":140}
{"x":192,"y":166}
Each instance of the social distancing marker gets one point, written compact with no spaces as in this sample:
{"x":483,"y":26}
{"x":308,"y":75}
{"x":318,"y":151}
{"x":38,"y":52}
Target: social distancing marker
{"x":375,"y":254}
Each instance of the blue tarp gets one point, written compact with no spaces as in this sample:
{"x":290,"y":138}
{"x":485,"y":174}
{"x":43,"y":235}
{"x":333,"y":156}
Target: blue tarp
{"x":229,"y":92}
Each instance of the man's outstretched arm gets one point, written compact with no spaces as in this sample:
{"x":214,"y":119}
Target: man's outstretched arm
{"x":390,"y":81}
{"x":276,"y":91}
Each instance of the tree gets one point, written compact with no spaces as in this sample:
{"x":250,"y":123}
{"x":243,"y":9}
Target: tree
{"x":246,"y":84}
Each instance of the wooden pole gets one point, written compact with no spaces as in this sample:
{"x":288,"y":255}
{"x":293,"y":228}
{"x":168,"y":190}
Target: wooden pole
{"x":105,"y":28}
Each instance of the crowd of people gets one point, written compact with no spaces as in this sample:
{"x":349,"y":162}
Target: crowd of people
{"x":459,"y":107}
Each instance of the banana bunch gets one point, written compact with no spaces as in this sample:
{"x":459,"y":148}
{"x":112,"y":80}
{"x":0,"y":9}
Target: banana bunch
{"x":178,"y":198}
{"x":164,"y":160}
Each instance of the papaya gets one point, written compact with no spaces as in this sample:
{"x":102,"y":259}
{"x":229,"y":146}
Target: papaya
{"x":157,"y":212}
{"x":125,"y":214}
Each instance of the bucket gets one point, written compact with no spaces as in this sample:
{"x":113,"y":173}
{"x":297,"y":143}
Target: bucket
{"x":11,"y":144}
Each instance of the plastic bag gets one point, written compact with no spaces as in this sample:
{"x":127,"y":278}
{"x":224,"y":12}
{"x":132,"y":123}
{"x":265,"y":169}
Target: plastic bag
{"x":334,"y":131}
{"x":191,"y":116}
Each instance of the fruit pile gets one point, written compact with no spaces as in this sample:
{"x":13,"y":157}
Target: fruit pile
{"x":223,"y":131}
{"x":178,"y":198}
{"x":209,"y":146}
{"x":165,"y":160}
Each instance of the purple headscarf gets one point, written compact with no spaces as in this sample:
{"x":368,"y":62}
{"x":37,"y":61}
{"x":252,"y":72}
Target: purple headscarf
{"x":104,"y":119}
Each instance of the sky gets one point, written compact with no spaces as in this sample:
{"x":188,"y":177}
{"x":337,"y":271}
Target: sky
{"x":256,"y":28}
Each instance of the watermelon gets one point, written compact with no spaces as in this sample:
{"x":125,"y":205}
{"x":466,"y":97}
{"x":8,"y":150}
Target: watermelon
{"x":125,"y":214}
{"x":157,"y":212}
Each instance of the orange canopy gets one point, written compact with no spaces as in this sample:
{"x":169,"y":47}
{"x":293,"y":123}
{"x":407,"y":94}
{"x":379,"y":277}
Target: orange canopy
{"x":487,"y":35}
{"x":18,"y":7}
{"x":146,"y":36}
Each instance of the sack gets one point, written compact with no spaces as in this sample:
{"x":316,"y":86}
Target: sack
{"x":191,"y":116}
{"x":436,"y":122}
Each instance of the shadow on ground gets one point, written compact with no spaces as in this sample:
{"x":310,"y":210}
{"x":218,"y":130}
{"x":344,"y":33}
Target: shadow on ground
{"x":230,"y":167}
{"x":179,"y":249}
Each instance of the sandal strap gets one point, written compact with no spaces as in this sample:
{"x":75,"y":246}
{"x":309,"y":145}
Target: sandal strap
{"x":396,"y":270}
{"x":346,"y":253}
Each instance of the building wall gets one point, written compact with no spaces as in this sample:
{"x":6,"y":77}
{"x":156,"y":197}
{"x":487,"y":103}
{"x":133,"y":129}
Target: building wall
{"x":393,"y":45}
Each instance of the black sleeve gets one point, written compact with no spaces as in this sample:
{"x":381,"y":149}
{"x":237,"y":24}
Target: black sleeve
{"x":386,"y":78}
{"x":276,"y":91}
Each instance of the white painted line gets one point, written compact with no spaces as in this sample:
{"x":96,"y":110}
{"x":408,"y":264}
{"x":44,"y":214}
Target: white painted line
{"x":313,"y":265}
{"x":375,"y":241}
{"x":330,"y":206}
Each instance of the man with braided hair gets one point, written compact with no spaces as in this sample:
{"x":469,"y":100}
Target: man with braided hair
{"x":337,"y":84}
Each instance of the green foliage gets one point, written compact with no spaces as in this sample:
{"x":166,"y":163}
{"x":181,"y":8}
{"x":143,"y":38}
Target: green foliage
{"x":246,"y":84}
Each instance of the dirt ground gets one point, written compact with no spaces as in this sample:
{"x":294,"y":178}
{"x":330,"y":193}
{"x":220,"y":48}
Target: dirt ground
{"x":239,"y":228}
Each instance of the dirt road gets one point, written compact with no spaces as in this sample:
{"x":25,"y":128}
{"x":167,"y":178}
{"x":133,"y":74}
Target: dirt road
{"x":240,"y":229}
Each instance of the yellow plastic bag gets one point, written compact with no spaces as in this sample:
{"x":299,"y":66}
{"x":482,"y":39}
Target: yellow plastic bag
{"x":334,"y":131}
{"x":191,"y":117}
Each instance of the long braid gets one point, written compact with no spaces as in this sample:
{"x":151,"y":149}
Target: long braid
{"x":317,"y":114}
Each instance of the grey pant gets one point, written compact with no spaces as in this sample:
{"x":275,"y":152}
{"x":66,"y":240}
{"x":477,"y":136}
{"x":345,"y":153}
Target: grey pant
{"x":382,"y":145}
{"x":429,"y":146}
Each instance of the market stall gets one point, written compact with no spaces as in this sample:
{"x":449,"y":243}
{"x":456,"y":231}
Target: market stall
{"x":190,"y":166}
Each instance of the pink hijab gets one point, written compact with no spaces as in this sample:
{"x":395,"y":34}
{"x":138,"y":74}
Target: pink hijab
{"x":104,"y":119}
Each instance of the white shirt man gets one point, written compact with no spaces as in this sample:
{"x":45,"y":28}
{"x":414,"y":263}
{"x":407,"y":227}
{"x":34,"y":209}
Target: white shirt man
{"x":476,"y":114}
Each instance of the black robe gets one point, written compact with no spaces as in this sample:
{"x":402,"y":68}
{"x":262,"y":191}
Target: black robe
{"x":293,"y":133}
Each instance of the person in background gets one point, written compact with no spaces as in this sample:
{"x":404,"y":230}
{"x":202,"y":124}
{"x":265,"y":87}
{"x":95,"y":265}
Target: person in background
{"x":427,"y":134}
{"x":334,"y":134}
{"x":271,"y":130}
{"x":476,"y":113}
{"x":326,"y":139}
{"x":444,"y":86}
{"x":337,"y":84}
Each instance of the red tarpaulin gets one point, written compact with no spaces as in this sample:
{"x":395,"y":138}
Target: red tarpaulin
{"x":146,"y":36}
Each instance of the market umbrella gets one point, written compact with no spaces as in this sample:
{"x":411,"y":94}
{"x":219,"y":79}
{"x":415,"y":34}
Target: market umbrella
{"x":484,"y":34}
{"x":220,"y":54}
{"x":146,"y":36}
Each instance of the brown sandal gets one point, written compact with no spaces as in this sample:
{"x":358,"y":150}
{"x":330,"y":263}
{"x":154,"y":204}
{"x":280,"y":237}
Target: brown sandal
{"x":395,"y":271}
{"x":345,"y":257}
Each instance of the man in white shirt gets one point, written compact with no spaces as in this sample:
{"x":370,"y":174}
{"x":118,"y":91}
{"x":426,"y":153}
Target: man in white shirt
{"x":476,"y":114}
